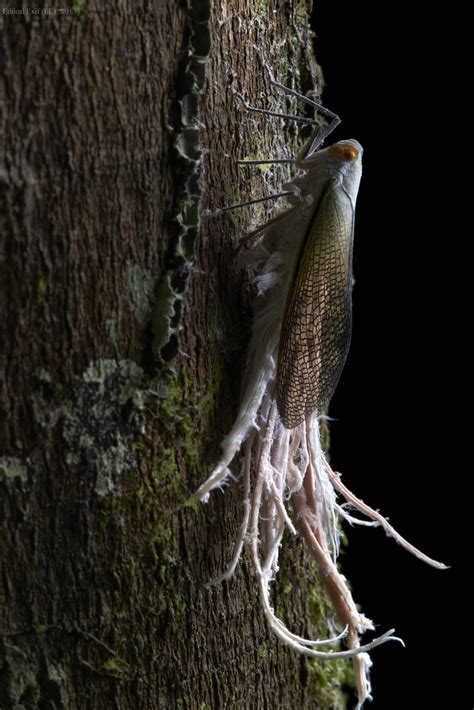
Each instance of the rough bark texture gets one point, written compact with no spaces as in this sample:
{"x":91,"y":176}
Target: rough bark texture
{"x":122,"y":334}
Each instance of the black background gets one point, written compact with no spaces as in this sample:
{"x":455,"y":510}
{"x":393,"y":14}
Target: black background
{"x":389,"y":78}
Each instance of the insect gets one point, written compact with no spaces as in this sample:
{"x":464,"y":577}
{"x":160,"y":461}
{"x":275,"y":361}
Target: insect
{"x":302,"y":260}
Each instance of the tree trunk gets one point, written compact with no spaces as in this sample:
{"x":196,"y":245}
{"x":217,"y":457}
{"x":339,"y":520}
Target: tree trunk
{"x":124,"y":322}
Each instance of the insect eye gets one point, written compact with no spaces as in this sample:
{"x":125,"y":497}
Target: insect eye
{"x":344,"y":151}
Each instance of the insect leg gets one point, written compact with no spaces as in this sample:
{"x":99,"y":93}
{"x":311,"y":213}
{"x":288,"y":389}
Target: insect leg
{"x":264,"y":162}
{"x":250,"y":240}
{"x":221,"y":210}
{"x":327,"y":112}
{"x":321,"y":132}
{"x":314,"y":142}
{"x":267,"y":112}
{"x":322,"y":109}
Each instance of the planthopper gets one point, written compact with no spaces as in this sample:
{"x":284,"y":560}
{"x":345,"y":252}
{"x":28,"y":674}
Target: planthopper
{"x":302,"y":265}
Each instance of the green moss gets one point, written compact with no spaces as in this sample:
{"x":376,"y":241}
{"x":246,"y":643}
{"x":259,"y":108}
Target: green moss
{"x":79,"y":6}
{"x":264,"y":167}
{"x":42,"y":288}
{"x":183,"y":411}
{"x":328,"y":678}
{"x":260,"y":10}
{"x":325,"y":434}
{"x":183,"y":414}
{"x":235,"y":216}
{"x":331,"y":677}
{"x":162,"y":315}
{"x":6,"y":415}
{"x":116,"y":667}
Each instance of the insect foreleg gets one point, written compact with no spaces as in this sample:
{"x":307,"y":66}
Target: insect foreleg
{"x":325,"y":111}
{"x":267,"y":112}
{"x":264,"y":162}
{"x":322,"y":109}
{"x":319,"y":134}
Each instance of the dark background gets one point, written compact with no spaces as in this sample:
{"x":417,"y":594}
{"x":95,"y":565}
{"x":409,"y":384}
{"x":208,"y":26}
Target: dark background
{"x":396,"y":437}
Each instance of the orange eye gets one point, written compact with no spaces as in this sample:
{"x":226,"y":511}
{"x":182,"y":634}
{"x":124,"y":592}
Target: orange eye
{"x":344,"y":150}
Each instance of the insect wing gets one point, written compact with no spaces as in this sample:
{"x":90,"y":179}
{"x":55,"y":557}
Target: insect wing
{"x":316,"y":330}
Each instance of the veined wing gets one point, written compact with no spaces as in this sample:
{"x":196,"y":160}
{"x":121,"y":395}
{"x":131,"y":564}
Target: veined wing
{"x":316,"y":330}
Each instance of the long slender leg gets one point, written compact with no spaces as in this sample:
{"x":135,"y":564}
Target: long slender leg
{"x":221,"y":210}
{"x":310,"y":147}
{"x":316,"y":139}
{"x":270,"y":161}
{"x":326,"y":111}
{"x":250,"y":240}
{"x":267,"y":112}
{"x":320,"y":133}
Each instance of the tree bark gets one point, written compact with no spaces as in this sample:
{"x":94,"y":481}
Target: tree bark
{"x":124,"y":323}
